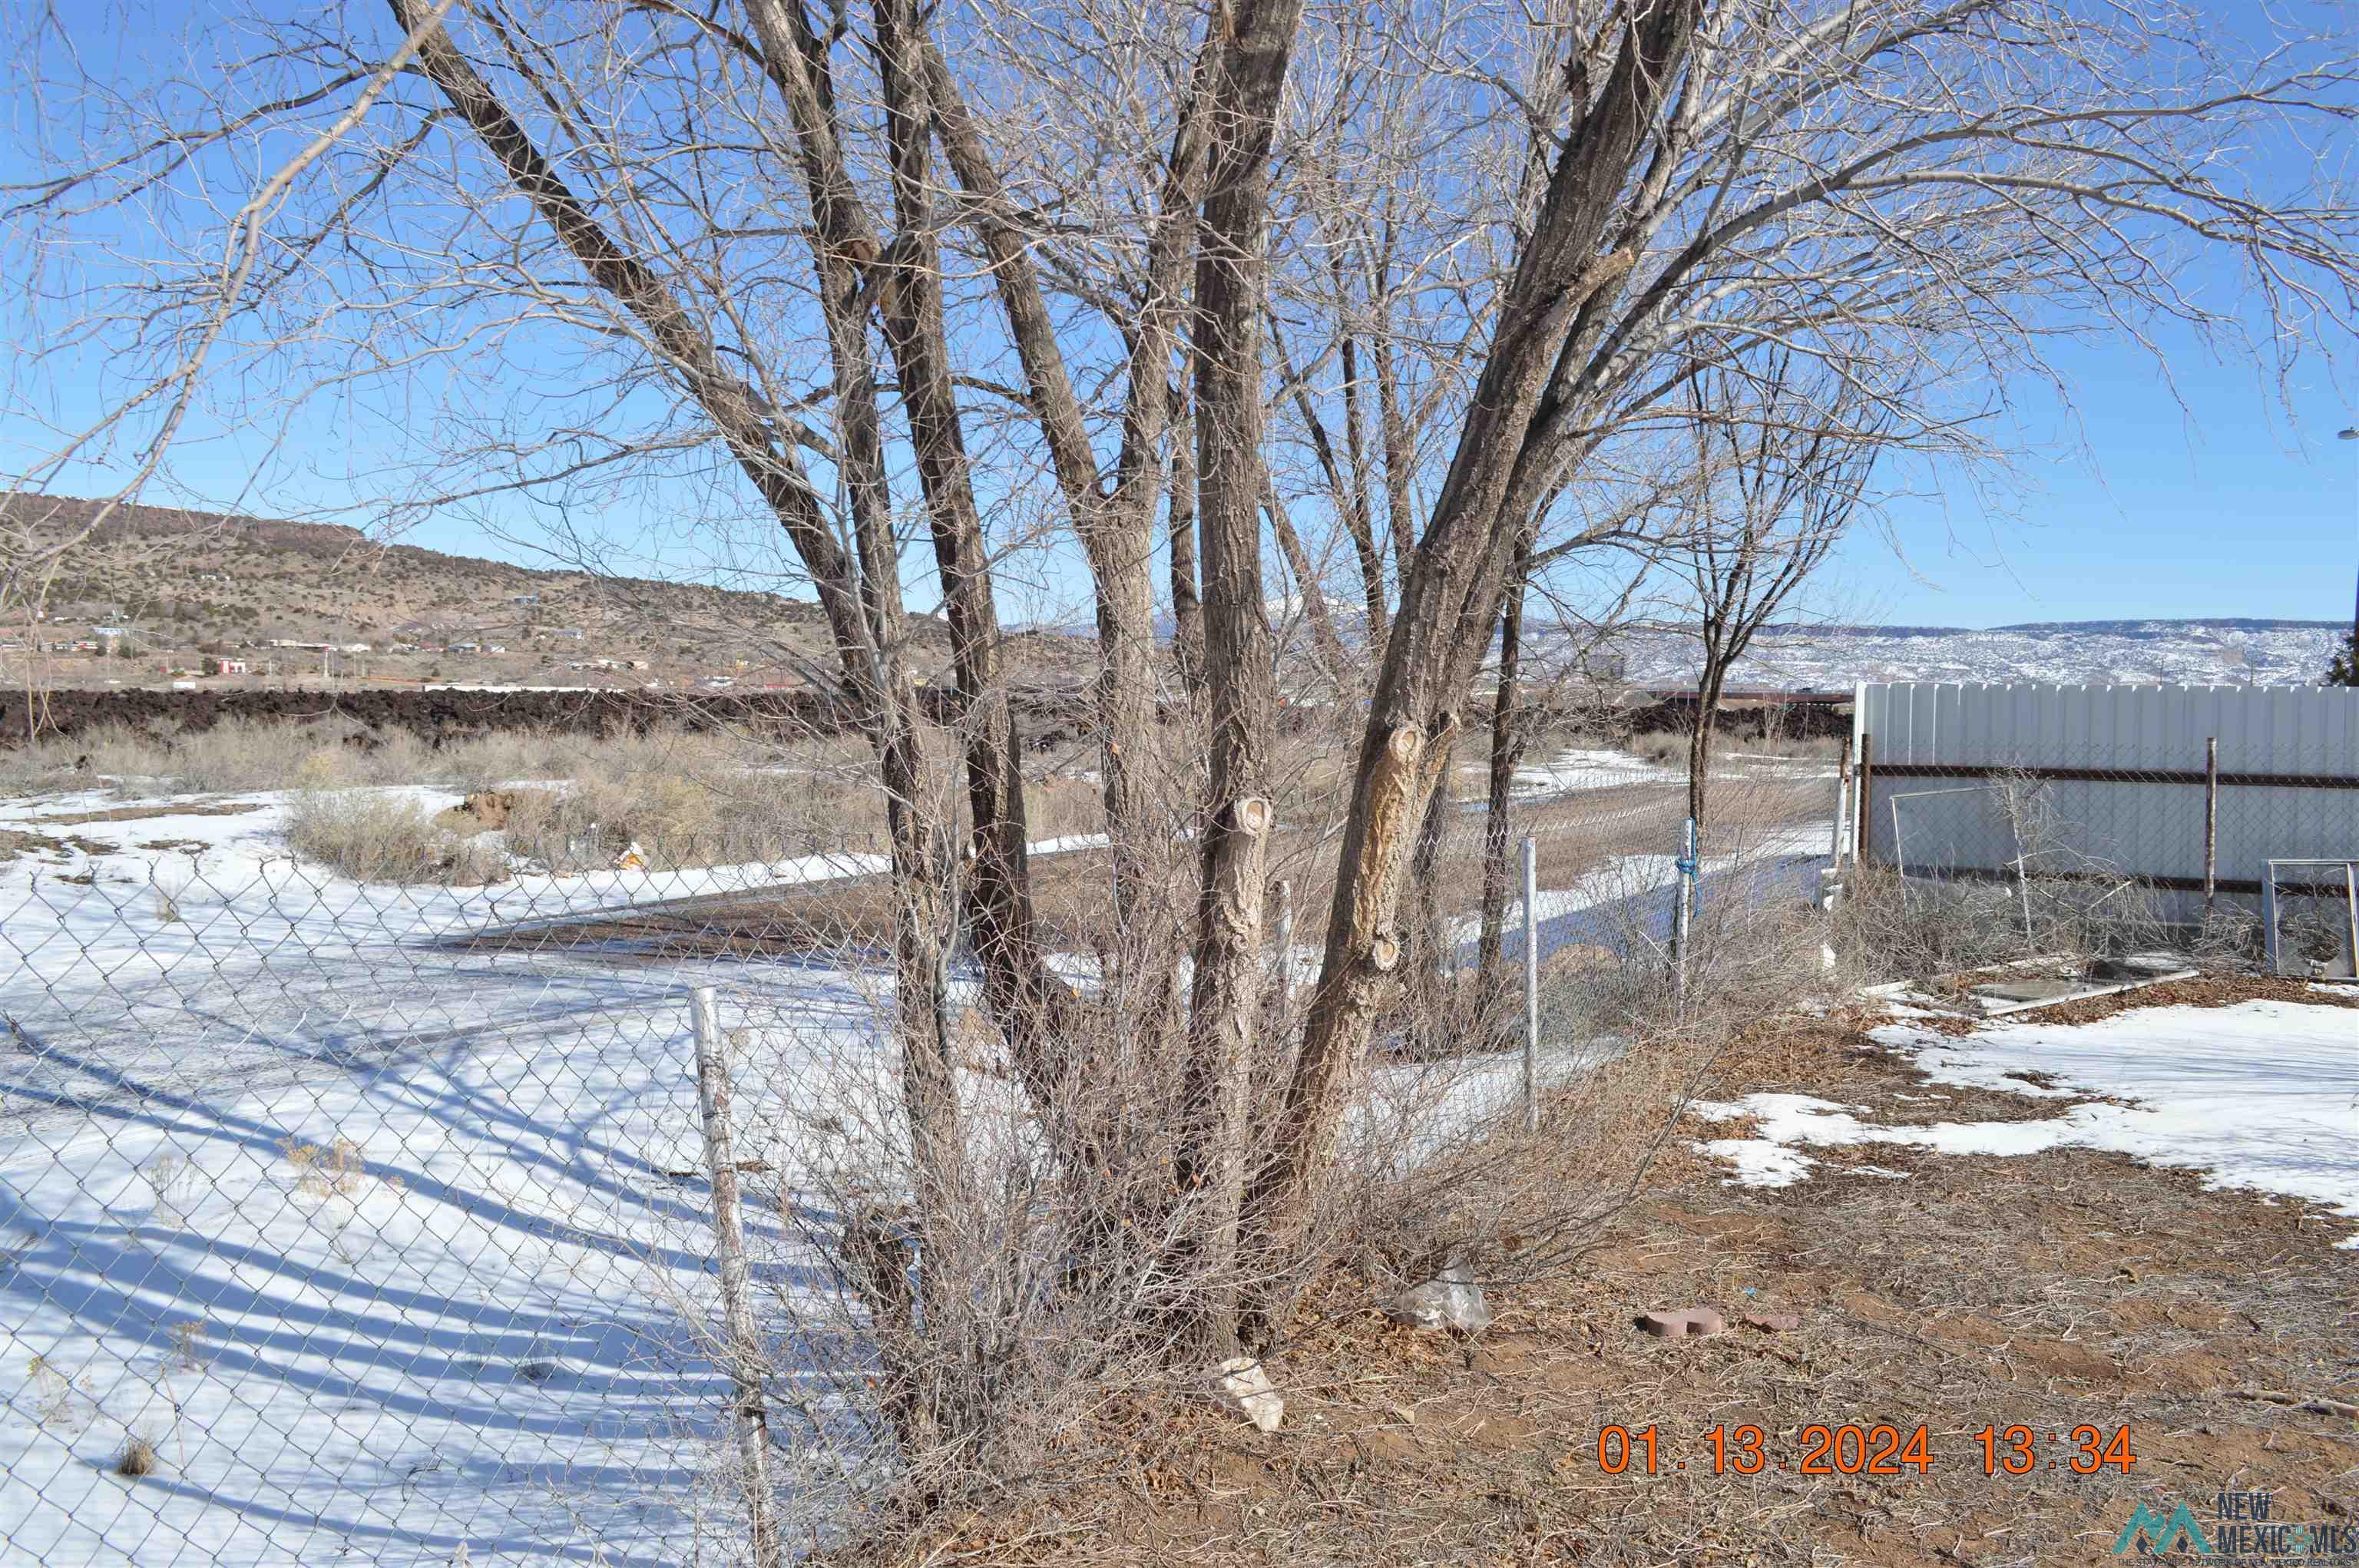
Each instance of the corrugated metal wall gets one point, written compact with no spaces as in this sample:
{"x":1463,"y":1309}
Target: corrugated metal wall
{"x":2150,"y":827}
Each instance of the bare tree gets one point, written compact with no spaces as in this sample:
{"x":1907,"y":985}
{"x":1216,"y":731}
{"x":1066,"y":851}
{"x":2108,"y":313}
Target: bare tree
{"x":1880,"y":186}
{"x":1781,"y":467}
{"x":766,"y":260}
{"x":1532,"y":683}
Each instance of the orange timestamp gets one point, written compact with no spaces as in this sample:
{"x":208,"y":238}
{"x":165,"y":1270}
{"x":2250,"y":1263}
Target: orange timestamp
{"x":1855,"y":1450}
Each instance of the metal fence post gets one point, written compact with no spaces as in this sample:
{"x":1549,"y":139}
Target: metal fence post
{"x":2351,"y":911}
{"x":1686,"y":886}
{"x":1532,"y":985}
{"x":2211,"y":822}
{"x":736,"y":1284}
{"x":1843,"y":802}
{"x":1862,"y":781}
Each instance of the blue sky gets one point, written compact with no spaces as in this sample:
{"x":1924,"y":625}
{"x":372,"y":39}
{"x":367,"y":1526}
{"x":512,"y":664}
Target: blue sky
{"x":2225,"y":505}
{"x":2209,"y":498}
{"x":2214,"y":496}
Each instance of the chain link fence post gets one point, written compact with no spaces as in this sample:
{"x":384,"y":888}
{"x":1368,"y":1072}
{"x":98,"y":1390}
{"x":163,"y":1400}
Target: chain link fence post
{"x":746,"y":1358}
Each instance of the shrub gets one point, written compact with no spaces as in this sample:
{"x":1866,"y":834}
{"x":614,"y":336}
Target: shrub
{"x":1662,"y":747}
{"x":372,"y":837}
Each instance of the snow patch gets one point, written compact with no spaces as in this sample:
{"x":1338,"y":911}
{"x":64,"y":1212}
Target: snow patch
{"x":2262,"y":1097}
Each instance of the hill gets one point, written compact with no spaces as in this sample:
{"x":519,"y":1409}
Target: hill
{"x":187,"y":584}
{"x":200,"y":583}
{"x":2224,"y":651}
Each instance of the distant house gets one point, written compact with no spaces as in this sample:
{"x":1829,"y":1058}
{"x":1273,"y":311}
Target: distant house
{"x":496,"y":647}
{"x":572,"y":634}
{"x":524,"y":598}
{"x":230,"y":666}
{"x":352,"y":648}
{"x":466,"y":647}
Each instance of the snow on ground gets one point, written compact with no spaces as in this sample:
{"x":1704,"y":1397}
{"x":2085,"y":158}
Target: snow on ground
{"x":417,"y":1312}
{"x":2263,"y":1095}
{"x":428,"y":1292}
{"x":1630,"y":898}
{"x":1585,"y":767}
{"x":1070,"y":841}
{"x":393,"y":1244}
{"x":223,"y":862}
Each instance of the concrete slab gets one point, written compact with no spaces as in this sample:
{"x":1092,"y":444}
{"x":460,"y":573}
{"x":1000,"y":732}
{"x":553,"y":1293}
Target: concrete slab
{"x":2031,"y":990}
{"x":2050,"y":991}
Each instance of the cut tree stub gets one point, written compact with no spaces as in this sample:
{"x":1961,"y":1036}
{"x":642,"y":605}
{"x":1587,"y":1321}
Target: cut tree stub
{"x":1251,"y":815}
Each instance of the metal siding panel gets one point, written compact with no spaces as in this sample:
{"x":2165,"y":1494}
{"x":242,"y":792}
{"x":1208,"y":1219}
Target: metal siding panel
{"x":2148,"y":828}
{"x":2035,"y":719}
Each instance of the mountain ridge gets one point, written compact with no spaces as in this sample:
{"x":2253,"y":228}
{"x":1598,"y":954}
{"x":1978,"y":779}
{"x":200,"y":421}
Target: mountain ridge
{"x":214,"y":581}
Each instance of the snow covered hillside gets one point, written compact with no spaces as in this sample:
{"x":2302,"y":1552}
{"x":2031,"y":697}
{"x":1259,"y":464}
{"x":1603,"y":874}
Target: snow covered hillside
{"x":2212,"y":652}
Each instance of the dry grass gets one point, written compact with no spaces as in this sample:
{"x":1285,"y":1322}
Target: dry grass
{"x":333,"y":1169}
{"x":232,"y":755}
{"x":177,"y":1186}
{"x":137,"y":1458}
{"x":239,"y":755}
{"x":1888,"y":926}
{"x":1063,"y":1265}
{"x":370,"y":837}
{"x":1665,"y":748}
{"x":1815,"y":748}
{"x":686,"y":798}
{"x":2066,"y":1290}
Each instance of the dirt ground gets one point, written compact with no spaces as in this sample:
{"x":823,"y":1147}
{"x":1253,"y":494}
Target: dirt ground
{"x":845,"y":915}
{"x":2063,"y":1290}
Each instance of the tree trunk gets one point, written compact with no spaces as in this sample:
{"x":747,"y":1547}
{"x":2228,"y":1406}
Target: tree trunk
{"x":1017,"y":987}
{"x":1230,"y":269}
{"x":1448,"y":601}
{"x":1721,"y":645}
{"x":1186,"y":608}
{"x":1424,"y":950}
{"x":1700,"y":759}
{"x":1116,"y":525}
{"x":1508,"y":742}
{"x":860,"y":594}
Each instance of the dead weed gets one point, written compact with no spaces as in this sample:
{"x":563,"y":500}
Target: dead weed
{"x":2068,"y":1290}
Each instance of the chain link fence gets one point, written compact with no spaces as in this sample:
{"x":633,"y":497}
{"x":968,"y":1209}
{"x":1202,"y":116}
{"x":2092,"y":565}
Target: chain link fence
{"x":2244,"y":860}
{"x":2190,"y":802}
{"x":356,"y":1201}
